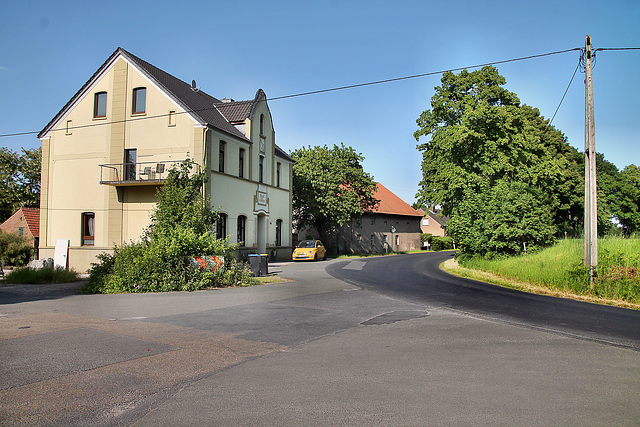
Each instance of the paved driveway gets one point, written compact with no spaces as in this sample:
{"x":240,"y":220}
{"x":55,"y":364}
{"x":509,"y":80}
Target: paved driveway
{"x":311,"y":351}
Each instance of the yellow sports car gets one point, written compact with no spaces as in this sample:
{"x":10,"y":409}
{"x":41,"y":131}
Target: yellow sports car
{"x":309,"y":249}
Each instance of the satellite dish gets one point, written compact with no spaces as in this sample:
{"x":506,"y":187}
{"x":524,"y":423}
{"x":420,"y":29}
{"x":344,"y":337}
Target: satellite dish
{"x":193,"y":86}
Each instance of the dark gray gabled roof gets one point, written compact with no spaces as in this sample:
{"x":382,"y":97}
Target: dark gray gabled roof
{"x":281,"y":153}
{"x":437,"y":217}
{"x":238,"y":111}
{"x":209,"y":111}
{"x":235,"y":111}
{"x":197,"y":102}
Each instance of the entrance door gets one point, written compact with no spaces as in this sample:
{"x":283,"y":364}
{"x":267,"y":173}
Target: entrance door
{"x":130,"y":164}
{"x":261,"y":233}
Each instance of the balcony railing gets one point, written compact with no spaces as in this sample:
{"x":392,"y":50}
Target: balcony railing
{"x":140,"y":173}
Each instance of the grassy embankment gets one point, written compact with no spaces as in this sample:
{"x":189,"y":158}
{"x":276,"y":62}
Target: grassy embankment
{"x":558,"y":271}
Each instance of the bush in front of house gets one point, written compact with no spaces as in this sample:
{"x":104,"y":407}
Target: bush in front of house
{"x":180,"y":229}
{"x":164,"y":265}
{"x":441,"y":243}
{"x":41,"y":276}
{"x":14,"y":250}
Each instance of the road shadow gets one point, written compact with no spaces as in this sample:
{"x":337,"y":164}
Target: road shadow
{"x":14,"y":294}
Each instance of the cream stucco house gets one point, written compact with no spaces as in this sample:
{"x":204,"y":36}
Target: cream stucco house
{"x":109,"y":149}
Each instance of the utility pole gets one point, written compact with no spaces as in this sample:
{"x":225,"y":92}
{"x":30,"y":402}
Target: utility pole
{"x":590,"y":194}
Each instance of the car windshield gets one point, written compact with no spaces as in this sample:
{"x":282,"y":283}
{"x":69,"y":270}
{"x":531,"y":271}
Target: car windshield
{"x":307,"y":244}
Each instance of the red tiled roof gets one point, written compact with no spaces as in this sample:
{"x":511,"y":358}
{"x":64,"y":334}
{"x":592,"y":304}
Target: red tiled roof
{"x":392,"y":204}
{"x":32,"y":216}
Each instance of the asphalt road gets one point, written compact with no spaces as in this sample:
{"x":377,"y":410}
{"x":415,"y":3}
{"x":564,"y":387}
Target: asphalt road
{"x":360,"y":346}
{"x":418,"y":279}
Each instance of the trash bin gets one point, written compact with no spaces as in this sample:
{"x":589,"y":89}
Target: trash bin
{"x":258,"y":264}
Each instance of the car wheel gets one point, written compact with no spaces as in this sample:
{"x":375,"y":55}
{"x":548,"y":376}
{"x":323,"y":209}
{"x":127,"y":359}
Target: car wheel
{"x":315,"y":256}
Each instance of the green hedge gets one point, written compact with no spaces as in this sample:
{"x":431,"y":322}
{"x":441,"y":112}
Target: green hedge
{"x":441,"y":243}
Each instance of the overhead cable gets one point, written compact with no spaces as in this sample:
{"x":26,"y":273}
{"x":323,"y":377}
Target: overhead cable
{"x":315,"y":92}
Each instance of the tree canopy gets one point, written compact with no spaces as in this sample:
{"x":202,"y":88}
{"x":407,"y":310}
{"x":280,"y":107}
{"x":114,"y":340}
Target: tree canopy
{"x":626,"y":205}
{"x":330,"y":187}
{"x":181,"y":204}
{"x":19,"y":180}
{"x":503,"y":175}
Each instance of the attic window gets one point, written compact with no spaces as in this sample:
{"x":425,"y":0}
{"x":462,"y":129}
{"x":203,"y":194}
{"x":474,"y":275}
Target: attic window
{"x":261,"y":124}
{"x":100,"y":105}
{"x":139,"y":100}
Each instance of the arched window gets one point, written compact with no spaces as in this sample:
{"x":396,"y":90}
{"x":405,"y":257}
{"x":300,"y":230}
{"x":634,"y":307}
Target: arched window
{"x":221,"y":227}
{"x":242,"y":224}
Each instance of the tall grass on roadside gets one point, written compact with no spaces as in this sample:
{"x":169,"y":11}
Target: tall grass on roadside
{"x":561,"y":268}
{"x":42,"y":276}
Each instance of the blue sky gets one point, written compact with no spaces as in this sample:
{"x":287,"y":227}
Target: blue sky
{"x":48,"y":50}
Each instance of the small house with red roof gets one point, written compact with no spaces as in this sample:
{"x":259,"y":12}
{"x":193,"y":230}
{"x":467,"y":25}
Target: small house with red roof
{"x":25,"y":222}
{"x":394,"y":226}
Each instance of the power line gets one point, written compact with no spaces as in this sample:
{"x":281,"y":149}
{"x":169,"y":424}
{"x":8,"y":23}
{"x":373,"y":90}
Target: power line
{"x":422,"y":75}
{"x":315,"y":92}
{"x":617,"y":48}
{"x":566,"y":90}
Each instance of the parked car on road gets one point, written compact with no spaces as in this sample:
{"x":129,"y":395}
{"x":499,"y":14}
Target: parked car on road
{"x":309,"y":250}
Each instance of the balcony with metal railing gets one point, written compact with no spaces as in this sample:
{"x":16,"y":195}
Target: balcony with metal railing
{"x":139,"y":173}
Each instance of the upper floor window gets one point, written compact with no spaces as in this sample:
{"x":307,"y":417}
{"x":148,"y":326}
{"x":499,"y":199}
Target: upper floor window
{"x":261,"y":169}
{"x":261,"y":124}
{"x":241,"y":163}
{"x":88,"y":228}
{"x":221,"y":150}
{"x":172,"y":118}
{"x":100,"y":104}
{"x":278,"y":174}
{"x":139,"y":100}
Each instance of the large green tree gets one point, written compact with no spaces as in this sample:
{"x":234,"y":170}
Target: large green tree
{"x":483,"y":149}
{"x":626,"y":204}
{"x":19,"y":180}
{"x":330,"y":187}
{"x":607,"y":176}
